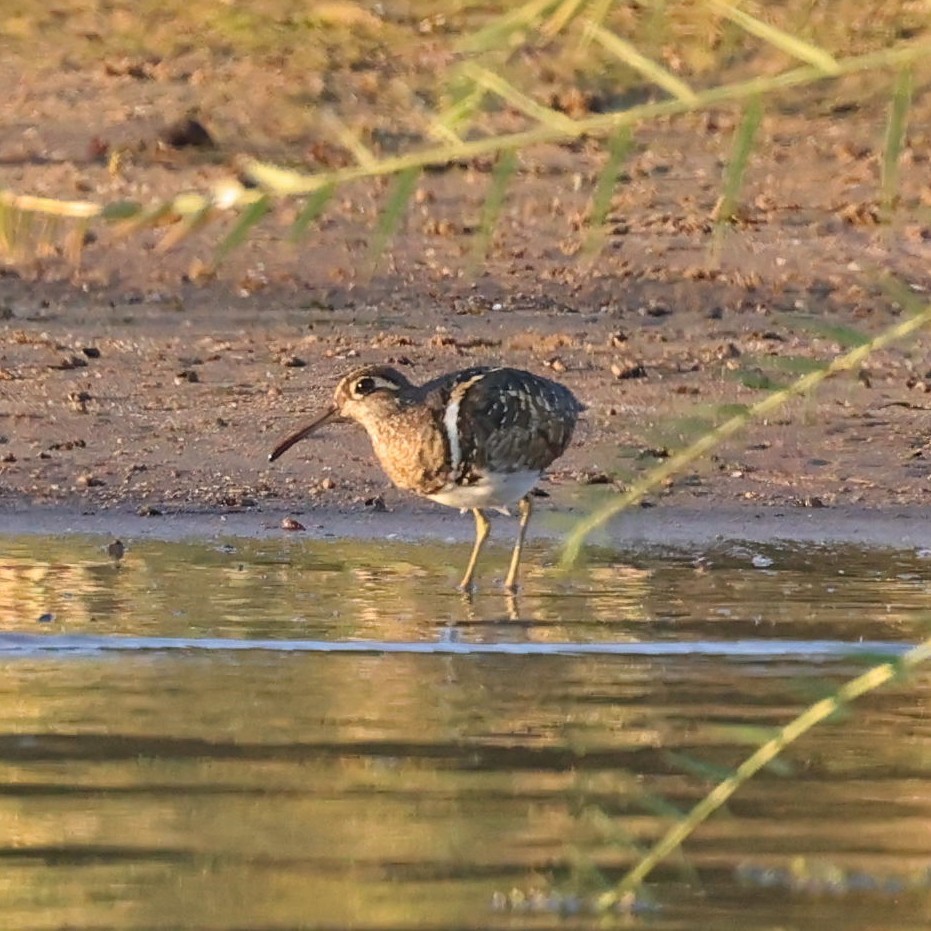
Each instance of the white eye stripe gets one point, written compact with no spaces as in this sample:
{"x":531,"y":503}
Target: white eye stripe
{"x":369,"y":383}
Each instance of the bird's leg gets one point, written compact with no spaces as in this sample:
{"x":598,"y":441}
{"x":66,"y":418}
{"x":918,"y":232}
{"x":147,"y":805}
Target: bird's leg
{"x":525,"y":509}
{"x":482,"y":526}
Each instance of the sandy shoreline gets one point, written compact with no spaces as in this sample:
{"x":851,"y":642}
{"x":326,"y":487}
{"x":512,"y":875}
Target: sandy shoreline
{"x":659,"y":527}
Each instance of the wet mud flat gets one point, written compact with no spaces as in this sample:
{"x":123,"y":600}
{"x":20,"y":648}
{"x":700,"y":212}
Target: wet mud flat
{"x":688,"y":529}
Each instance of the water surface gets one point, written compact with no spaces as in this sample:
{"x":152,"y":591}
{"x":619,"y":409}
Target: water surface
{"x":286,"y":734}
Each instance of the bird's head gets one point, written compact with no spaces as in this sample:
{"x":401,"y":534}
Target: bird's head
{"x":365,"y":394}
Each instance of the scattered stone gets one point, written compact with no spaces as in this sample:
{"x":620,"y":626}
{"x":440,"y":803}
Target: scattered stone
{"x":289,"y":523}
{"x":67,"y":445}
{"x":78,"y":401}
{"x":92,"y":352}
{"x":70,"y":362}
{"x":593,"y":477}
{"x":187,"y":375}
{"x":186,"y":133}
{"x":90,"y":481}
{"x":626,"y":370}
{"x":376,"y":503}
{"x":148,"y":510}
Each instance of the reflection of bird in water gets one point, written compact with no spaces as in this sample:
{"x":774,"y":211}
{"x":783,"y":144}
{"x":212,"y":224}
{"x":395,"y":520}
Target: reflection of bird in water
{"x":474,"y":439}
{"x":115,"y":550}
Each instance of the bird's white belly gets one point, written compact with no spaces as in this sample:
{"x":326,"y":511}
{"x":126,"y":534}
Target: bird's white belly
{"x":496,"y":490}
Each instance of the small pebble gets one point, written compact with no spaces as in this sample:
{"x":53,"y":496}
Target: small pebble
{"x":289,"y":523}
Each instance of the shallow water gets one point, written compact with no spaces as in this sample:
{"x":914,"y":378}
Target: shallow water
{"x":284,"y":734}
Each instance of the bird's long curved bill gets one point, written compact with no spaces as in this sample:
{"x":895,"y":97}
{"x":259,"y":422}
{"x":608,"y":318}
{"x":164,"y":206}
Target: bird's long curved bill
{"x":329,"y":414}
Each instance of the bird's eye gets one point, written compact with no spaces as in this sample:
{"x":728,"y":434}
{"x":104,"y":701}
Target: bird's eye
{"x":364,"y":386}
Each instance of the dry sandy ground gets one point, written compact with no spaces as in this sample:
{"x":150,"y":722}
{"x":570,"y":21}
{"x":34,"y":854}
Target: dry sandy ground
{"x":142,"y":383}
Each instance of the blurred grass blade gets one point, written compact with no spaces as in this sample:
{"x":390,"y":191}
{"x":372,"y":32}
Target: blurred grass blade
{"x":596,"y":16}
{"x":744,"y":136}
{"x":75,"y":241}
{"x":402,"y":190}
{"x":499,"y":31}
{"x":189,"y":224}
{"x":27,"y":203}
{"x":121,"y":210}
{"x":621,"y":144}
{"x":725,"y":210}
{"x":560,"y":18}
{"x":758,"y":380}
{"x":847,"y":337}
{"x":520,"y":101}
{"x":701,"y":769}
{"x":467,"y":99}
{"x":349,"y":140}
{"x":791,"y":45}
{"x":494,"y":202}
{"x":147,"y":218}
{"x":895,"y":140}
{"x":813,"y":715}
{"x":283,"y":182}
{"x":312,"y":209}
{"x":249,"y":218}
{"x":652,"y":71}
{"x":802,"y":387}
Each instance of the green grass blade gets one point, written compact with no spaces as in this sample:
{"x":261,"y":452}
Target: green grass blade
{"x":561,"y":17}
{"x":895,"y":140}
{"x":402,"y":190}
{"x":500,"y":30}
{"x":494,"y":202}
{"x":249,"y":218}
{"x":800,"y":388}
{"x":791,"y":45}
{"x":621,"y":144}
{"x":820,"y":711}
{"x":657,"y":74}
{"x":847,"y":337}
{"x":757,"y":380}
{"x":597,"y":13}
{"x":188,"y":224}
{"x":518,"y":100}
{"x":312,"y":209}
{"x":744,"y":137}
{"x":121,"y":210}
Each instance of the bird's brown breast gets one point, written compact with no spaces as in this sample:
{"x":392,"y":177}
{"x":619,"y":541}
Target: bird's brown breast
{"x":412,"y":449}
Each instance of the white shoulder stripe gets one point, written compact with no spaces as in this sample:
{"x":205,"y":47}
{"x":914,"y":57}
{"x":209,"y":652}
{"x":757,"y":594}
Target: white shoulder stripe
{"x":451,"y":420}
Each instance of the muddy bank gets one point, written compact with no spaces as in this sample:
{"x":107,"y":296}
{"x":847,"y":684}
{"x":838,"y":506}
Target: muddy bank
{"x":148,"y":379}
{"x":684,"y":529}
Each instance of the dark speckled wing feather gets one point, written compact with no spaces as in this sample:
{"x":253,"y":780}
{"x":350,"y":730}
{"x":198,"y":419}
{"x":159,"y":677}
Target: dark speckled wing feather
{"x":511,"y":421}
